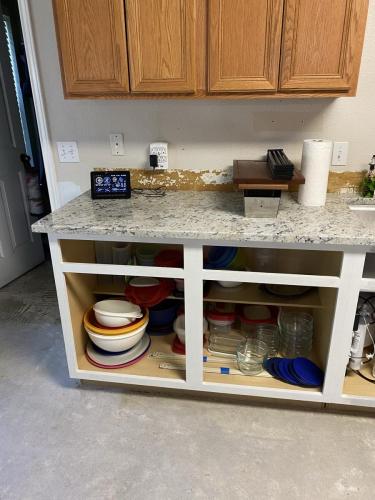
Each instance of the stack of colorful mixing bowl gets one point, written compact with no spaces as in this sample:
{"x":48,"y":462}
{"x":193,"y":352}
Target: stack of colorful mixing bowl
{"x":117,"y":330}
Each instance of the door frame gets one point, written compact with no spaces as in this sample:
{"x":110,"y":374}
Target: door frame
{"x":41,"y":117}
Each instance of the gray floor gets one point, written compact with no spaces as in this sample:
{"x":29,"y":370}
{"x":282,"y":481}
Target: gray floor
{"x":61,"y":441}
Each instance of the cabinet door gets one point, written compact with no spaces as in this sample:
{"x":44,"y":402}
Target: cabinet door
{"x":244,"y":45}
{"x":92,"y":42}
{"x":322,"y":44}
{"x":161,"y":37}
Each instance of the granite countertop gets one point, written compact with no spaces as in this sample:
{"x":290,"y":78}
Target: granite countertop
{"x":206,"y":215}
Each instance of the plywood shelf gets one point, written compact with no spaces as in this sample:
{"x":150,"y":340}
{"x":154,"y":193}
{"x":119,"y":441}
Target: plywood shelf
{"x":354,"y":385}
{"x":147,"y":367}
{"x":253,"y":381}
{"x":252,"y":293}
{"x":247,"y":293}
{"x":118,"y":290}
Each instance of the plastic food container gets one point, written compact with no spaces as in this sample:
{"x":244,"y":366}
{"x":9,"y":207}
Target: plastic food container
{"x":145,"y":254}
{"x":251,"y":354}
{"x":296,"y":333}
{"x":269,"y":334}
{"x":252,"y":316}
{"x":116,"y":313}
{"x":164,"y":313}
{"x":179,"y":327}
{"x":148,"y":291}
{"x":224,"y":345}
{"x":225,"y":258}
{"x":121,"y":254}
{"x":169,"y":258}
{"x":117,"y":343}
{"x":229,"y":284}
{"x":220,"y":257}
{"x":220,"y":322}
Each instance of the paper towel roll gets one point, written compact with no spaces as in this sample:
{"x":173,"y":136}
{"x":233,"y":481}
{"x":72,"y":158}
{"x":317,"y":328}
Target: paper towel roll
{"x":316,"y":159}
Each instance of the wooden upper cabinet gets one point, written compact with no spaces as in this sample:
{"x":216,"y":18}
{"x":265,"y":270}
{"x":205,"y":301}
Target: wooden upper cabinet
{"x":162,"y":51}
{"x":244,"y":45}
{"x":209,"y":48}
{"x":92,"y":43}
{"x":322,"y":44}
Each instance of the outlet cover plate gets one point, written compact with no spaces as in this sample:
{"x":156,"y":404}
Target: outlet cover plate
{"x":117,"y":144}
{"x":340,"y":153}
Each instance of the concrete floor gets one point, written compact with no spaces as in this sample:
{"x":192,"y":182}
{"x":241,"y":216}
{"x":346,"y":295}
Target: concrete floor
{"x":62,"y":441}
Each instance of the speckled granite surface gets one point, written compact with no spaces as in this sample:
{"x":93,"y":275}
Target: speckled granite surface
{"x":207,"y":215}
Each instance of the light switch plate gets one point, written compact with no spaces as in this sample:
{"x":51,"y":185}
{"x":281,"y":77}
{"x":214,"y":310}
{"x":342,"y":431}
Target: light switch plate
{"x":340,"y":153}
{"x":68,"y":152}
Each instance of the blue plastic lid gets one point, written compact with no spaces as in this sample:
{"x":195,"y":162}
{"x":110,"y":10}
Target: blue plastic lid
{"x":268,"y":365}
{"x":307,"y":372}
{"x":286,"y":375}
{"x":275,"y":366}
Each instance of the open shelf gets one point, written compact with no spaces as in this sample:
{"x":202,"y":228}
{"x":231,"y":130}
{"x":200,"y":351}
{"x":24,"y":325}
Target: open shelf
{"x":117,"y":290}
{"x":148,"y":366}
{"x":323,"y":320}
{"x":253,"y":293}
{"x":354,"y":385}
{"x":262,"y":380}
{"x":81,"y":296}
{"x":114,"y":252}
{"x":286,"y":261}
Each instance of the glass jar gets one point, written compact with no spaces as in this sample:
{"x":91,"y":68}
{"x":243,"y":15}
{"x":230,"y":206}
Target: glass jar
{"x":269,"y":334}
{"x":251,"y":355}
{"x":296,"y":333}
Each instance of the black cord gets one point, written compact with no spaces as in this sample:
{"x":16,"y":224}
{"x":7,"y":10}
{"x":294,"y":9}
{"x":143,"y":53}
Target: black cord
{"x":364,"y":376}
{"x":150,"y":192}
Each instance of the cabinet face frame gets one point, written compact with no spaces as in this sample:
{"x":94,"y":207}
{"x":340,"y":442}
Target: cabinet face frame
{"x":346,"y":77}
{"x":69,"y":54}
{"x":186,"y":83}
{"x":267,"y":81}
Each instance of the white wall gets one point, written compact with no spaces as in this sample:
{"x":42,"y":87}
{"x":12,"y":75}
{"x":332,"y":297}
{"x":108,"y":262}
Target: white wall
{"x":201,"y":134}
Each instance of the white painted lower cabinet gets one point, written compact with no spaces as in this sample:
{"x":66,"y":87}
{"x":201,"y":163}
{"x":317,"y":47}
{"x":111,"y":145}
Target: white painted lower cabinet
{"x":337,"y":276}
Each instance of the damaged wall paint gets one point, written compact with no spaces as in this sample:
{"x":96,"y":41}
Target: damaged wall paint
{"x":221,"y":180}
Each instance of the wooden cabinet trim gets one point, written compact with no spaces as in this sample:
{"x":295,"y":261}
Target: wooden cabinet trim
{"x":345,"y":79}
{"x":186,"y":83}
{"x":72,"y":82}
{"x":265,"y":82}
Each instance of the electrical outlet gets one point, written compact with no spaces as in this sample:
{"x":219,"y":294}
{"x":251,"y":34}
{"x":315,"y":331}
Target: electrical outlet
{"x":68,"y":152}
{"x":161,"y":150}
{"x":117,"y":144}
{"x":340,"y":153}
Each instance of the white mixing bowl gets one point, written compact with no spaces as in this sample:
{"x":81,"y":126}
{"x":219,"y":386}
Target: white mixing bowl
{"x":116,"y":313}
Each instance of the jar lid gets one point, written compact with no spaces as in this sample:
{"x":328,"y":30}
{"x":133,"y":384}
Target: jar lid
{"x":221,"y":316}
{"x":258,"y":314}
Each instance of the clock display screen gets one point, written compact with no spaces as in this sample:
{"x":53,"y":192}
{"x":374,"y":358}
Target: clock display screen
{"x":110,"y":184}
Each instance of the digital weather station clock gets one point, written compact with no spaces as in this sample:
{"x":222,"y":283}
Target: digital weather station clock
{"x":111,"y":184}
